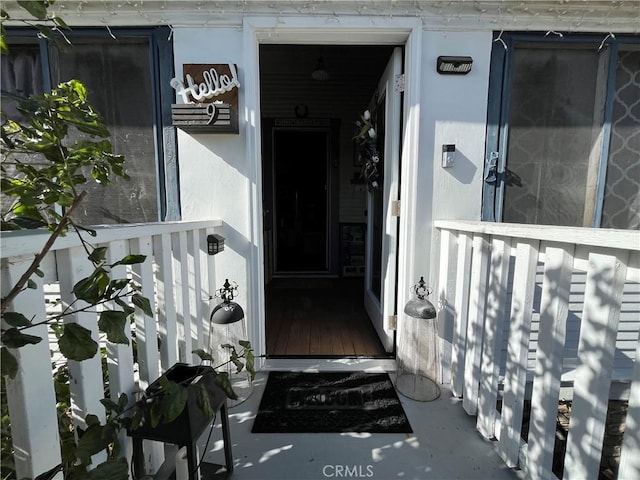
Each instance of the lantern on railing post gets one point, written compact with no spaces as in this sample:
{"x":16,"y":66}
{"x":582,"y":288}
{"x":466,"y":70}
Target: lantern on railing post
{"x":227,"y":326}
{"x":215,"y":243}
{"x":417,"y":364}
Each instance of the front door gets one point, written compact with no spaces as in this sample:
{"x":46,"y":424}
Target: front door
{"x":382,"y":231}
{"x":301,"y":163}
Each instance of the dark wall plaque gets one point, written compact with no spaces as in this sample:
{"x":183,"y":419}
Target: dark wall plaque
{"x":209,"y":94}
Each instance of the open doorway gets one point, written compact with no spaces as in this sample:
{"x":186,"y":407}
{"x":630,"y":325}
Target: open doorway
{"x":315,"y":199}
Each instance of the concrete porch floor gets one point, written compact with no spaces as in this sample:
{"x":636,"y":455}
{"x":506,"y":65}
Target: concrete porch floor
{"x":444,"y":445}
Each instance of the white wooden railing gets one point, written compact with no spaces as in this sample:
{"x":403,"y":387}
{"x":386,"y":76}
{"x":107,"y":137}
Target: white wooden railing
{"x":178,"y":278}
{"x":509,"y":293}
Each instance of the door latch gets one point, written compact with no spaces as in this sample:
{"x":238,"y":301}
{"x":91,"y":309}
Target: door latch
{"x":491,"y":168}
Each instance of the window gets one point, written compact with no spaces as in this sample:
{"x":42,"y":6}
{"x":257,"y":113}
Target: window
{"x":125,"y":79}
{"x":563,"y":146}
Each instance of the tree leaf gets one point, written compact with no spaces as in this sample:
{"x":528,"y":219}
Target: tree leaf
{"x":250,"y":363}
{"x":98,"y":255}
{"x":36,"y":8}
{"x":203,"y":355}
{"x":90,"y":231}
{"x":14,"y":338}
{"x":110,"y":405}
{"x":112,"y":469}
{"x":16,"y":319}
{"x":118,"y":284}
{"x":222,"y":380}
{"x":125,"y":306}
{"x":91,"y":442}
{"x":8,"y":363}
{"x":122,"y":401}
{"x":236,"y":361}
{"x":92,"y":288}
{"x":170,"y":404}
{"x":28,"y":223}
{"x":113,"y":323}
{"x":4,"y":48}
{"x":76,"y":342}
{"x":136,"y":418}
{"x":60,"y":22}
{"x":130,"y":260}
{"x":142,"y":303}
{"x":245,"y":344}
{"x":92,"y":419}
{"x":203,"y":401}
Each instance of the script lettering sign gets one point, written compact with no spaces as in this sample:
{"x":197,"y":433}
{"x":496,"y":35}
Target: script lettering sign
{"x":209,"y":95}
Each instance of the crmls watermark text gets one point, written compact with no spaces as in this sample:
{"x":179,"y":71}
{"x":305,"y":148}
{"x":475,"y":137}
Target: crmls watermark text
{"x":348,"y":471}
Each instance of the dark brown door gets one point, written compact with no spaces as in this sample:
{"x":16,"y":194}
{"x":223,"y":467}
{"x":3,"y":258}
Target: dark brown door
{"x":300,"y":162}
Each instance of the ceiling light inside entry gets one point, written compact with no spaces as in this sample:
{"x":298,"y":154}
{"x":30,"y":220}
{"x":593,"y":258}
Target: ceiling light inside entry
{"x":320,"y":73}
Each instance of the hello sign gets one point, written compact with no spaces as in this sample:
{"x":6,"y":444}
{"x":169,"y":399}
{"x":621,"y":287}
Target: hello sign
{"x":209,"y":93}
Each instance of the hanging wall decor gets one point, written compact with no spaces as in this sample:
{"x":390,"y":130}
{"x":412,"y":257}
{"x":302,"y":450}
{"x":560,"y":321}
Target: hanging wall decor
{"x":209,"y":94}
{"x":367,"y":153}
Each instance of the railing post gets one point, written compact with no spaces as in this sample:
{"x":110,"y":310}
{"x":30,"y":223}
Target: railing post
{"x":475,"y":325}
{"x":208,"y":288}
{"x":444,"y":301}
{"x":119,"y":355}
{"x":554,"y":307}
{"x":524,"y":279}
{"x":167,"y":324}
{"x":195,"y":292}
{"x":181,"y":285}
{"x":147,"y":338}
{"x":629,"y":458}
{"x":30,"y":396}
{"x":86,"y":376}
{"x":493,"y":326}
{"x":601,"y":312}
{"x":461,"y":312}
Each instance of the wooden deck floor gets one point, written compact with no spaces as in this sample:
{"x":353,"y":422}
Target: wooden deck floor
{"x":319,"y":317}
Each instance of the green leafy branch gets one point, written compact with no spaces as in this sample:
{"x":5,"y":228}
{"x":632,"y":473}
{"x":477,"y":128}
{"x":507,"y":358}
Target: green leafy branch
{"x":38,"y":190}
{"x":243,"y":360}
{"x":164,"y":404}
{"x":48,"y":24}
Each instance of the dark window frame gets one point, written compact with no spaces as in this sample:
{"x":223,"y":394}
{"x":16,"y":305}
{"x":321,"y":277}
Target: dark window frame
{"x":500,"y":77}
{"x":162,"y":71}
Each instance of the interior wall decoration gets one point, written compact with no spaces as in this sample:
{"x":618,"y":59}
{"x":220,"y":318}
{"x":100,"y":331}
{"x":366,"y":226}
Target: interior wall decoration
{"x":209,"y":94}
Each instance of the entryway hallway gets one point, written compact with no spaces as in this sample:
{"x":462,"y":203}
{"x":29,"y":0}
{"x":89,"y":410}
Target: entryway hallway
{"x":319,"y":317}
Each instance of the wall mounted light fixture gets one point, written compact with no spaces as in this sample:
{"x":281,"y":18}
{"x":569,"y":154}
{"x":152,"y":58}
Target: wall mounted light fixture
{"x":454,"y":65}
{"x":215,"y":244}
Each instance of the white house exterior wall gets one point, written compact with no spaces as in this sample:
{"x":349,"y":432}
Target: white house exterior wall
{"x":213,"y":168}
{"x":219,"y":173}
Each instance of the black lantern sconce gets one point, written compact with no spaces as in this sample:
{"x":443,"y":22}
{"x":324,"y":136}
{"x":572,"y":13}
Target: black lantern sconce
{"x":454,"y":65}
{"x":215,"y":244}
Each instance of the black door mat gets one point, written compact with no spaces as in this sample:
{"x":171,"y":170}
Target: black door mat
{"x":330,"y":402}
